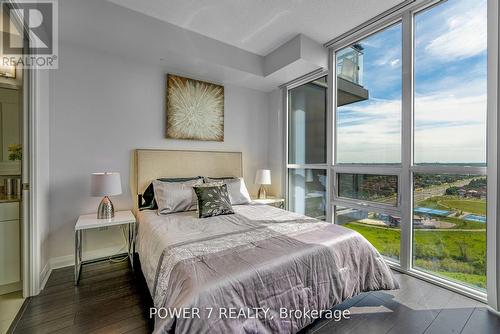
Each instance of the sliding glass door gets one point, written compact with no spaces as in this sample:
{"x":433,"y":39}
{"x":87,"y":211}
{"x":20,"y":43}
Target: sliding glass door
{"x":307,"y":149}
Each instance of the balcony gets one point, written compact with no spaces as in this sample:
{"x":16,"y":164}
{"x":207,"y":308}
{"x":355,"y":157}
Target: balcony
{"x":350,"y":76}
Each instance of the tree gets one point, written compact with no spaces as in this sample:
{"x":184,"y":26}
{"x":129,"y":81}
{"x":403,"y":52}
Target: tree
{"x":452,"y":191}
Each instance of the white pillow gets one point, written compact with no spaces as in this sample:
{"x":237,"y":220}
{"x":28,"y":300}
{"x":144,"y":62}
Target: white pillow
{"x":236,"y":188}
{"x":175,"y":196}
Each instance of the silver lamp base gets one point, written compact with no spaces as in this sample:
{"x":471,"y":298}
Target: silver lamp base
{"x":105,"y":209}
{"x":262,"y":192}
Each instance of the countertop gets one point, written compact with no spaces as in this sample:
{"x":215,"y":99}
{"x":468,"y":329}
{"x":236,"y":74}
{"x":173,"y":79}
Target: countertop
{"x":9,"y":198}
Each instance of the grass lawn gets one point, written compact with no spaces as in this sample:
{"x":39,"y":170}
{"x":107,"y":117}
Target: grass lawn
{"x":473,"y":206}
{"x":455,"y":203}
{"x":459,"y":255}
{"x":463,"y":224}
{"x":432,"y":203}
{"x":385,"y":240}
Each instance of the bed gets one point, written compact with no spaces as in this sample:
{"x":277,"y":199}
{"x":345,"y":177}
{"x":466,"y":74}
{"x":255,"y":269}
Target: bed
{"x":248,"y":272}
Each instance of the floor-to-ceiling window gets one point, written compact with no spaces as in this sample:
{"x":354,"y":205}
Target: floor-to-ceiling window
{"x":449,"y":131}
{"x":407,"y":139}
{"x":368,"y":141}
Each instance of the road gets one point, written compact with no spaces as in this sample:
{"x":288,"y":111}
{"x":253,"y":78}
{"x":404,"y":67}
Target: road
{"x":440,"y":190}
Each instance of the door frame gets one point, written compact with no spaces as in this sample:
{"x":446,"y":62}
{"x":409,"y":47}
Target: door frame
{"x":34,"y":90}
{"x":30,"y":239}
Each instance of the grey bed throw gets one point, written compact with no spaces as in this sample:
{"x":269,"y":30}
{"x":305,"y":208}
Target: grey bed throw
{"x":244,"y":273}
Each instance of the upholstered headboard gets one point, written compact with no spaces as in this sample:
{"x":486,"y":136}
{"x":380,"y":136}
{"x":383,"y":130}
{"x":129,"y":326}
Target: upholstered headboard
{"x":150,"y":164}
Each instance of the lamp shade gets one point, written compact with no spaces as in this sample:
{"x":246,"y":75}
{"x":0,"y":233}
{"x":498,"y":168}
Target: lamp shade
{"x":263,"y":176}
{"x":105,"y":184}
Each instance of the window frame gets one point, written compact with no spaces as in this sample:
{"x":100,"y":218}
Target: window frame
{"x":376,"y":170}
{"x":405,"y":14}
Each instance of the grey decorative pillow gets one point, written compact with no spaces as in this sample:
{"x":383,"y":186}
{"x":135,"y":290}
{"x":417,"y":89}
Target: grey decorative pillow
{"x":211,"y":184}
{"x":175,"y":196}
{"x":148,"y":196}
{"x":213,"y":200}
{"x":236,"y":188}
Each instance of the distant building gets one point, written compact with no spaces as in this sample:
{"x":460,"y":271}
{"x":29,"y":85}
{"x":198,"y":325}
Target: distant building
{"x":472,"y":193}
{"x":418,"y":221}
{"x":394,"y":221}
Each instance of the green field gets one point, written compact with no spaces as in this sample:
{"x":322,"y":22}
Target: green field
{"x":471,"y":206}
{"x":452,"y":253}
{"x":453,"y":203}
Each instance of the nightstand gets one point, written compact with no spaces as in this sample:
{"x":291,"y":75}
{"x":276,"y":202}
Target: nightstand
{"x":126,"y":219}
{"x":277,"y":202}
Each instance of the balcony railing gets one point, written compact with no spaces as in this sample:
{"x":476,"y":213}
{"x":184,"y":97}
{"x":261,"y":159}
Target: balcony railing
{"x":350,"y":64}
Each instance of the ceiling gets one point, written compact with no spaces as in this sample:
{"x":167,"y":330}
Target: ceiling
{"x":259,"y":26}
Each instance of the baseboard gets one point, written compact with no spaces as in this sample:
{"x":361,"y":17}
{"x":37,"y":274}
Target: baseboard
{"x":11,"y":287}
{"x":69,"y":260}
{"x":45,"y":274}
{"x":492,"y":310}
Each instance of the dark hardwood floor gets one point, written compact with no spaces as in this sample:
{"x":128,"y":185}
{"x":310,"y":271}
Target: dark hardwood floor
{"x":109,"y":299}
{"x":112,"y":299}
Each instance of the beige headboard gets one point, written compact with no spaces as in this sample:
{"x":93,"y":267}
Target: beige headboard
{"x":150,"y":164}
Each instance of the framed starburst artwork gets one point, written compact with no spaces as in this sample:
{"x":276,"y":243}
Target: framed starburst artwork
{"x":195,"y":109}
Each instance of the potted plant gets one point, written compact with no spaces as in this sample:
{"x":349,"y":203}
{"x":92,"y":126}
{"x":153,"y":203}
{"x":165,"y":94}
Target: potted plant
{"x":15,"y":152}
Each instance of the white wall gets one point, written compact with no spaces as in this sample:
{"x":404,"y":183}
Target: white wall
{"x":276,"y":142}
{"x":103,"y":107}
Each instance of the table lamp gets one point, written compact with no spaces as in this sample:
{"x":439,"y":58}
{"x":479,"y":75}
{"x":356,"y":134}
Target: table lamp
{"x":262,"y":177}
{"x":105,"y":184}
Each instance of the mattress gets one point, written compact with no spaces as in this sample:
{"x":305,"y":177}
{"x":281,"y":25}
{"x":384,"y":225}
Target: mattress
{"x":249,"y":271}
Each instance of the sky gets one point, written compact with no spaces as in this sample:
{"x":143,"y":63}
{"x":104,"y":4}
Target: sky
{"x":449,"y":89}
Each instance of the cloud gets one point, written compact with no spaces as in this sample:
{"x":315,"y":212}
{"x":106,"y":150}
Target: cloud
{"x":390,"y":56}
{"x":370,"y":132}
{"x":448,"y":128}
{"x":394,"y":62}
{"x":449,"y":108}
{"x":464,"y":37}
{"x":450,"y":92}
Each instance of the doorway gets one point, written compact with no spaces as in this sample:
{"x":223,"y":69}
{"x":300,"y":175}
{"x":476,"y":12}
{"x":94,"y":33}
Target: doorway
{"x":11,"y":197}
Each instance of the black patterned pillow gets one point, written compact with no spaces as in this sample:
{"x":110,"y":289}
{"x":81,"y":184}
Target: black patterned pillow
{"x":213,"y":200}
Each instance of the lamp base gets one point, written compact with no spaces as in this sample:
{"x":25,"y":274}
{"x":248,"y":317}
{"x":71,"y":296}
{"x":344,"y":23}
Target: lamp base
{"x":262,"y":192}
{"x":105,"y":209}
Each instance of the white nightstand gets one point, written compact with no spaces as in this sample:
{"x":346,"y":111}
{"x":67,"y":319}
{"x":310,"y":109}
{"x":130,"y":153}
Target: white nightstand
{"x":277,"y":202}
{"x":87,"y":222}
